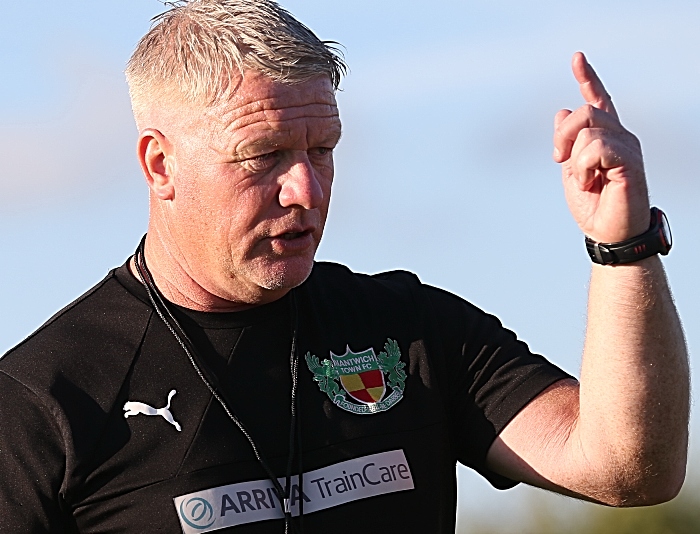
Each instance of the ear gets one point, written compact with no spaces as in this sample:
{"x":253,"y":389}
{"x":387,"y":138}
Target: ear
{"x":155,"y":154}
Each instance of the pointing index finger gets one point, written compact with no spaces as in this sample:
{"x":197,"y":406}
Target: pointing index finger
{"x":591,"y":87}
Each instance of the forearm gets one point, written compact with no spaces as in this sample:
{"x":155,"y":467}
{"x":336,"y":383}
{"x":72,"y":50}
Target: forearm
{"x":619,"y":437}
{"x":634,"y":393}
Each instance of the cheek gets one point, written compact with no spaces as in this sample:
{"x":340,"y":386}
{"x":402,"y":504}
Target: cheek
{"x":325,"y":167}
{"x":327,"y":186}
{"x":325,"y":172}
{"x":244,"y":211}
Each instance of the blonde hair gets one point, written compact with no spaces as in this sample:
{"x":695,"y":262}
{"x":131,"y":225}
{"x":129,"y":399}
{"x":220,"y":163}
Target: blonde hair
{"x":200,"y":48}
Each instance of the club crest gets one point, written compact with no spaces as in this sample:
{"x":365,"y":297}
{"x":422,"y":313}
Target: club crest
{"x":364,"y":377}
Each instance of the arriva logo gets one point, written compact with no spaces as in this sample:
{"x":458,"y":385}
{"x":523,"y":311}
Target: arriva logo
{"x":197,"y":513}
{"x":327,"y":487}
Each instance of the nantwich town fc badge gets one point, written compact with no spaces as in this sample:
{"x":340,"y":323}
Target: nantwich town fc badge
{"x":362,"y":376}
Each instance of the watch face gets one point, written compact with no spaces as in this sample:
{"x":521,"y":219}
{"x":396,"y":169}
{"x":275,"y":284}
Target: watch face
{"x":666,"y":230}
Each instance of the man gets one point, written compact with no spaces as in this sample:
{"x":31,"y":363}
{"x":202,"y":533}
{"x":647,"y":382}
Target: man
{"x":221,"y":379}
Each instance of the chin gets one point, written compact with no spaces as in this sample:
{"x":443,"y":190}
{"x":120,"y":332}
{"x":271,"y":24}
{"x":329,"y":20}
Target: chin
{"x":285,"y":275}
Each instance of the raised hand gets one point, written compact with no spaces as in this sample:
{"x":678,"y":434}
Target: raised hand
{"x":602,"y":165}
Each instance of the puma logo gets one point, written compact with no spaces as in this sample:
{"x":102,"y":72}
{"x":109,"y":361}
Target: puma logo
{"x":135,"y":408}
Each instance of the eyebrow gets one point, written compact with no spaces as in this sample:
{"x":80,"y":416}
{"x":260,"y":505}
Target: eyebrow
{"x":338,"y":137}
{"x":258,"y":145}
{"x":265,"y":144}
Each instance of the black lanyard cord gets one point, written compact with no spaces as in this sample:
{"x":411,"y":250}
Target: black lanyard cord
{"x":295,"y":425}
{"x":294,"y":422}
{"x":284,"y":495}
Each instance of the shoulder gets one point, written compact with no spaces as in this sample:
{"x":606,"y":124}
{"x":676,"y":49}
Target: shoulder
{"x":81,"y":342}
{"x":399,"y":287}
{"x":332,"y":277}
{"x":327,"y":270}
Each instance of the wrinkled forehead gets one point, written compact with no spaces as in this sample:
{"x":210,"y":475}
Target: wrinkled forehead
{"x":256,"y":106}
{"x":257,"y":98}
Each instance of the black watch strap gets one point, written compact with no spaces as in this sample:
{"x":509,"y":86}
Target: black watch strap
{"x":656,"y":240}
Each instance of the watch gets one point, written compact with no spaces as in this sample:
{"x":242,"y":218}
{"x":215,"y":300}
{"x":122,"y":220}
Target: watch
{"x":656,"y":240}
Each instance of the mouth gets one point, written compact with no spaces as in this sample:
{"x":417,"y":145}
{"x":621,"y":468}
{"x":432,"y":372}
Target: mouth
{"x":295,"y":241}
{"x":289,"y":236}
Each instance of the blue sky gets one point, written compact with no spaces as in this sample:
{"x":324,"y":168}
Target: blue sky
{"x":444,"y":168}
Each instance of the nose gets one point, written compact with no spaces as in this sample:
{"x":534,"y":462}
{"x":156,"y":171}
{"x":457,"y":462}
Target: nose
{"x":301,"y":186}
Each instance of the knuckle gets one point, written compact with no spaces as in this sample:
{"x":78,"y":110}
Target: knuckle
{"x":635,"y":141}
{"x":598,"y":144}
{"x":589,"y":110}
{"x":587,"y":136}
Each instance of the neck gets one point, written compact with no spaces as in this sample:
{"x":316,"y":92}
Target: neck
{"x":178,"y":286}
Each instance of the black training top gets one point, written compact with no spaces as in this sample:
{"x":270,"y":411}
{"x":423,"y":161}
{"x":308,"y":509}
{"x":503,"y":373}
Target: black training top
{"x":107,"y":427}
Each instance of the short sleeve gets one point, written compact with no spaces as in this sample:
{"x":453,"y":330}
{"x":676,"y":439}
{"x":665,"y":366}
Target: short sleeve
{"x":487,"y":376}
{"x":32,"y":463}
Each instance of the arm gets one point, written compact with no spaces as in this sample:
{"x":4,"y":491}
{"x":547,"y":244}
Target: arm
{"x":620,"y":437}
{"x":32,"y":463}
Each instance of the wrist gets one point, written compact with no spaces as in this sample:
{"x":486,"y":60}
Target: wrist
{"x":656,"y":240}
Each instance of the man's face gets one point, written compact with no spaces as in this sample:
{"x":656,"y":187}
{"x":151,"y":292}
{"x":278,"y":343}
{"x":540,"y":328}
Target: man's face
{"x":252,"y":180}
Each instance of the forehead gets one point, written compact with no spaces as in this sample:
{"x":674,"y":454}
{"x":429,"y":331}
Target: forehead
{"x":260,"y":103}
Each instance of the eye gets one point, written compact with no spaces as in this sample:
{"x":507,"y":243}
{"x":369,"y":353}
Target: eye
{"x":320,"y":151}
{"x":262,"y":162}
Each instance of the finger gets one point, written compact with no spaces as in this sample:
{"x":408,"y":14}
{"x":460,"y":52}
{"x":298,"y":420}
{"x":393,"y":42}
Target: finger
{"x":570,"y":125}
{"x":586,"y":160}
{"x":594,"y":154}
{"x":562,"y":147}
{"x":591,"y":87}
{"x":588,"y":116}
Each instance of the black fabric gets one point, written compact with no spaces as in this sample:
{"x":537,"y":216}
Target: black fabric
{"x":71,"y":462}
